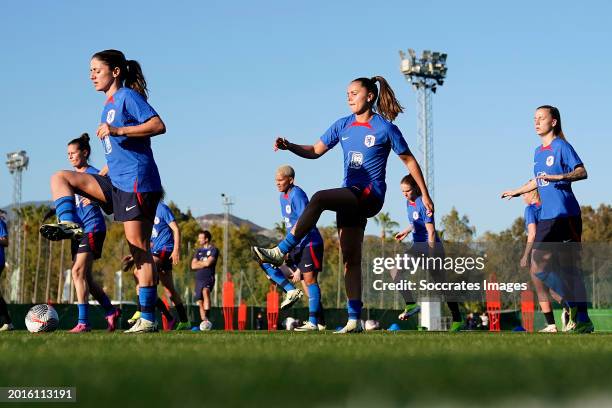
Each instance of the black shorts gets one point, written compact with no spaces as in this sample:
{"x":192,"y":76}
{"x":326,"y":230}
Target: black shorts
{"x":369,"y":206}
{"x":566,"y":229}
{"x":201,"y":284}
{"x":127,"y":206}
{"x":164,"y":260}
{"x":306,"y":259}
{"x":92,"y":242}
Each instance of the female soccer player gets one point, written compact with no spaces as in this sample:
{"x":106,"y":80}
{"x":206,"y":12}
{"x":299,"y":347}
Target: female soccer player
{"x":7,"y":325}
{"x":165,"y":246}
{"x":367,"y":136}
{"x":556,"y":166}
{"x":89,"y":248}
{"x":134,"y":187}
{"x":306,"y":260}
{"x":425,"y":242}
{"x":203,"y":264}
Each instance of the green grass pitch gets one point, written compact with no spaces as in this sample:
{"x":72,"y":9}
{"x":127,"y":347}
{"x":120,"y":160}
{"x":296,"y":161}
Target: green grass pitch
{"x":244,"y":369}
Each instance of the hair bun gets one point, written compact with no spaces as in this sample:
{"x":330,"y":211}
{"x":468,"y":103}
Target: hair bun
{"x":85,"y":137}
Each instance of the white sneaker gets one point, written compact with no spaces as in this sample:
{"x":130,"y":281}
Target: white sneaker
{"x":352,"y":326}
{"x":308,"y":326}
{"x":7,"y":327}
{"x":551,"y":328}
{"x":143,"y":326}
{"x":291,"y":297}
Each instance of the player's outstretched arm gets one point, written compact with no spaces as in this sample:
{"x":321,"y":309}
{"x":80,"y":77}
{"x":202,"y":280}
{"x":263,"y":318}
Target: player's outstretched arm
{"x":527,"y":187}
{"x":306,"y":151}
{"x":413,"y":168}
{"x":403,"y":234}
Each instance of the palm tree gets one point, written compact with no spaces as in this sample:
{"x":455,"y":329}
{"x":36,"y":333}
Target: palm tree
{"x":386,"y":224}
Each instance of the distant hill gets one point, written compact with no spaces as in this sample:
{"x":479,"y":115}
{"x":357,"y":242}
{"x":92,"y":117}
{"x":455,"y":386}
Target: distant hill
{"x":207,"y":220}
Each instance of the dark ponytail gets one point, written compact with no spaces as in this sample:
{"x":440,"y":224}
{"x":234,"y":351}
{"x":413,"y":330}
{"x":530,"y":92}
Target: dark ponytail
{"x":83,"y":144}
{"x":554,"y":112}
{"x":130,"y":73}
{"x":386,"y":102}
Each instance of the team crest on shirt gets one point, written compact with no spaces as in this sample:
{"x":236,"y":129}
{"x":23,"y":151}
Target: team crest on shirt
{"x":355,"y":160}
{"x":288,"y":209}
{"x":415,"y":215}
{"x":369,"y":140}
{"x":156,"y":221}
{"x":110,"y":116}
{"x":207,"y":254}
{"x":550,"y":160}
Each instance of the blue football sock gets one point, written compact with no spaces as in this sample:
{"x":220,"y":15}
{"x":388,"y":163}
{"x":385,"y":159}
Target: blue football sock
{"x":148,"y":297}
{"x":65,"y":208}
{"x":314,"y":300}
{"x":277,"y":277}
{"x":354,"y":308}
{"x":288,"y":243}
{"x":83,"y":313}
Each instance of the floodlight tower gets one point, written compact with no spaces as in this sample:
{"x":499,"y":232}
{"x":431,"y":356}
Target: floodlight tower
{"x":16,"y":162}
{"x":425,"y":74}
{"x":227,"y":205}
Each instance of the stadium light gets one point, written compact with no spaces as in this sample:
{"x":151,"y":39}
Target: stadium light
{"x":425,"y":74}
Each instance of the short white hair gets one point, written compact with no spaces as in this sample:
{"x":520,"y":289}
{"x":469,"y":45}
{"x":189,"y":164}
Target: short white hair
{"x":286,"y":170}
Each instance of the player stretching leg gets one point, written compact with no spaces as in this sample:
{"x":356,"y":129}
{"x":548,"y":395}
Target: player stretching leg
{"x":306,"y":260}
{"x":426,"y":242}
{"x":556,"y":166}
{"x":203,"y":264}
{"x":133,"y":188}
{"x":89,"y":248}
{"x":367,"y":137}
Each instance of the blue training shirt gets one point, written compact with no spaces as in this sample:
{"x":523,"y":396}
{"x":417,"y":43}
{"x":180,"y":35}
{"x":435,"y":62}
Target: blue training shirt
{"x":90,"y":216}
{"x":558,"y":200}
{"x":131,"y":166}
{"x":202,"y":254}
{"x":162,"y":238}
{"x":292,"y":206}
{"x":3,"y":234}
{"x":532,"y":214}
{"x":366,"y":148}
{"x":417,"y":215}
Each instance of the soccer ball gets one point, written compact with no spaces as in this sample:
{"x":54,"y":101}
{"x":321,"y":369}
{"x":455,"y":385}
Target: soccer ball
{"x":42,"y":318}
{"x":206,"y":325}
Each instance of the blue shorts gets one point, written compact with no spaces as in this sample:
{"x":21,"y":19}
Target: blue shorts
{"x":306,"y":259}
{"x":201,"y":284}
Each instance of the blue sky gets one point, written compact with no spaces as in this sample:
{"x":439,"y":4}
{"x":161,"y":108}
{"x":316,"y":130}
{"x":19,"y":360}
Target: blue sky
{"x":228,"y":77}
